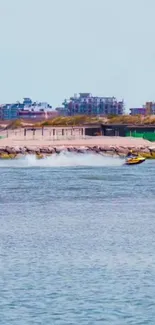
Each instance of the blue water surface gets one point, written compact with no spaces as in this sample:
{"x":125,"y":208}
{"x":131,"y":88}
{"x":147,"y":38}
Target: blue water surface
{"x":77,"y":244}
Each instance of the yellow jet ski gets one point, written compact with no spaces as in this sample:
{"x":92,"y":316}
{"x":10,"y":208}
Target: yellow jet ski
{"x":135,"y":160}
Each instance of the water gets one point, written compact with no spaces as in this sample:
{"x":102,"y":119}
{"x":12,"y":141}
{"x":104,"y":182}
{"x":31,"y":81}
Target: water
{"x":77,"y":241}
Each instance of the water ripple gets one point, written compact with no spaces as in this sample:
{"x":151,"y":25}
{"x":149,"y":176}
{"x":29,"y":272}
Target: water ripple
{"x":77,"y":245}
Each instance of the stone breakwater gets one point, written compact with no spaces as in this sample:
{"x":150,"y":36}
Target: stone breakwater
{"x":8,"y":152}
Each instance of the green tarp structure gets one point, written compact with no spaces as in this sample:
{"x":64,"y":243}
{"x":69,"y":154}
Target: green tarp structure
{"x":146,"y":135}
{"x":149,"y":136}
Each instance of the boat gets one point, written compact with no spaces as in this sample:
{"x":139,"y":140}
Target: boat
{"x":135,"y":160}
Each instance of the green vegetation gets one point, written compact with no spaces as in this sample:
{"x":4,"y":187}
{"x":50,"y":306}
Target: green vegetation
{"x":70,"y":121}
{"x":85,"y":119}
{"x":16,"y":124}
{"x":132,"y":120}
{"x":125,"y":119}
{"x":58,"y":121}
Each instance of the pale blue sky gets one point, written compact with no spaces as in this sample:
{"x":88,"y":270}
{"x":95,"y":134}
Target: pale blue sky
{"x":51,"y":49}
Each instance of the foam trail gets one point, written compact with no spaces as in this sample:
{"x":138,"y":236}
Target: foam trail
{"x":63,"y":160}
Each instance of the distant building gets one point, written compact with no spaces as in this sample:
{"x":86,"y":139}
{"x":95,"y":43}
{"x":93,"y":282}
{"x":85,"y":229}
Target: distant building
{"x":9,"y":111}
{"x":86,"y":104}
{"x":61,"y":111}
{"x":147,"y":109}
{"x":150,"y":108}
{"x":27,"y":102}
{"x":27,"y":109}
{"x":138,"y":111}
{"x":38,"y":115}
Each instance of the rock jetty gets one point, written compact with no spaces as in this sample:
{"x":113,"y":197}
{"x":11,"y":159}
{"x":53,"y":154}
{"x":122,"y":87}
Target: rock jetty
{"x":8,"y":152}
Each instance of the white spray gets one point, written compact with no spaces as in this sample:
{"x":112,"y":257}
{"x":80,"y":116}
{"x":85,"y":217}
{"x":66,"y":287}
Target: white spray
{"x":63,"y":160}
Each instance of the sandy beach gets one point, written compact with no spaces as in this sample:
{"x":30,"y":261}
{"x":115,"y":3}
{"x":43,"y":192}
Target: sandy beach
{"x":70,"y":138}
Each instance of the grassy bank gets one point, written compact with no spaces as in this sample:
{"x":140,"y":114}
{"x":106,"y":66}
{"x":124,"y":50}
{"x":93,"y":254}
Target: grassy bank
{"x":82,"y":120}
{"x":58,"y":121}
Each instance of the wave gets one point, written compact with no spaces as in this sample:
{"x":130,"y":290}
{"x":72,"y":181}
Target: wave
{"x":63,"y":160}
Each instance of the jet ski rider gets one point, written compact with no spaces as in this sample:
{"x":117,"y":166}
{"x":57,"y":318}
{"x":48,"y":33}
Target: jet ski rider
{"x":130,"y":154}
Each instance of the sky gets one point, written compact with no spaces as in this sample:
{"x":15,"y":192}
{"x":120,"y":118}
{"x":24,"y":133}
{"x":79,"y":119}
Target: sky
{"x":52,"y":49}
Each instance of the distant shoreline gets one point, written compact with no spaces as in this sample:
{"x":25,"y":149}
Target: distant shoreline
{"x":16,"y":145}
